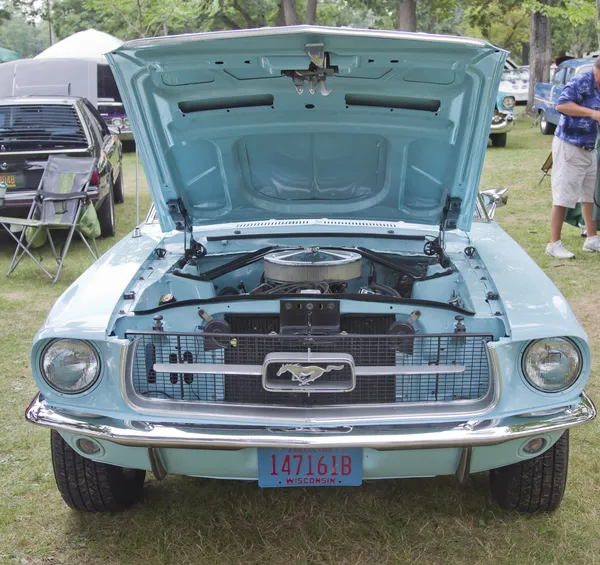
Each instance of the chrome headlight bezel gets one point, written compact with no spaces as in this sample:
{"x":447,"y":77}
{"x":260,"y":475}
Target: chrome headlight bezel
{"x":93,"y":356}
{"x":570,"y":379}
{"x":509,"y":102}
{"x":117,"y":122}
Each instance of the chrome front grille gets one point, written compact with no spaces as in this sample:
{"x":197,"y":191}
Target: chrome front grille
{"x":228,"y":368}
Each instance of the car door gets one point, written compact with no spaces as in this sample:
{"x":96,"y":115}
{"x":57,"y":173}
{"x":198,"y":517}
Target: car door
{"x":558,"y":83}
{"x":109,"y":163}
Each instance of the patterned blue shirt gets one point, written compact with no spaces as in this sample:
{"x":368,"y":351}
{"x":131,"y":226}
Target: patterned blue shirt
{"x":581,"y":131}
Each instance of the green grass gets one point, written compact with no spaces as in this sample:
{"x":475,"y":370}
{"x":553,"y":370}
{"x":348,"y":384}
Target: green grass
{"x":186,"y":520}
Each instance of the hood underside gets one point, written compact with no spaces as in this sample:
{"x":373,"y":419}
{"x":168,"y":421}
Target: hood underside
{"x":397,"y":125}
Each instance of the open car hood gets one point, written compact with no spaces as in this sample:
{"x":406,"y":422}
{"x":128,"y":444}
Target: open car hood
{"x":396,"y":129}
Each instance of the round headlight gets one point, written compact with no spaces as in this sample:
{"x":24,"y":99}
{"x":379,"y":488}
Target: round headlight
{"x":117,"y":122}
{"x":508,"y":102}
{"x":70,"y":365}
{"x":126,"y":123}
{"x":552,"y":365}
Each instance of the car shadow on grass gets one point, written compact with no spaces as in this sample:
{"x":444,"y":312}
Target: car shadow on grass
{"x":191,"y":520}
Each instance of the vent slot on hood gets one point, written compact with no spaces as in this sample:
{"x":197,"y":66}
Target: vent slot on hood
{"x":394,"y":102}
{"x":190,"y":106}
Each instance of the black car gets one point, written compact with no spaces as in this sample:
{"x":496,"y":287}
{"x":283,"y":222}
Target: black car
{"x":34,"y":127}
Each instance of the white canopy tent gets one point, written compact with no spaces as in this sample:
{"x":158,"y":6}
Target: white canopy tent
{"x":90,"y":44}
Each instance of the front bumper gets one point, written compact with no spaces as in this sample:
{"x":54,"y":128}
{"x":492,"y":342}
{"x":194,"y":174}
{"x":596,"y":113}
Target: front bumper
{"x":502,"y":122}
{"x":474,"y":433}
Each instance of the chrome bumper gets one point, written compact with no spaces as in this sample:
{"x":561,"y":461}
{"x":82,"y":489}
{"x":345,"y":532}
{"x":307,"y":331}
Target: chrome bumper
{"x":505,"y":123}
{"x":465,"y":434}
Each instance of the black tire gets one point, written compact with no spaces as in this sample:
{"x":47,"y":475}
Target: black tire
{"x":546,"y":127}
{"x":535,"y":485}
{"x":118,"y":189}
{"x":499,"y":139}
{"x":89,"y":486}
{"x":106,"y":215}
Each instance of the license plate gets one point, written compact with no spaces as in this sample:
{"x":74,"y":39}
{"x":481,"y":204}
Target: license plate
{"x":296,"y":467}
{"x":11,"y":180}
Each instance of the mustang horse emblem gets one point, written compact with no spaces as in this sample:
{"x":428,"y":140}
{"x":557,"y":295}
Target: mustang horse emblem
{"x":307,"y":374}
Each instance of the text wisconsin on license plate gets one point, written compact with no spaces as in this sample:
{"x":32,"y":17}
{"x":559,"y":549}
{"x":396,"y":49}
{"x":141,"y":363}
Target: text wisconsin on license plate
{"x":299,"y":467}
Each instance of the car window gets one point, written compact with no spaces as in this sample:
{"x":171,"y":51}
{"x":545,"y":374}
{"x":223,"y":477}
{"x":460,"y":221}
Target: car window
{"x":583,"y":69}
{"x":559,"y":77}
{"x":96,"y":117}
{"x":569,"y":74}
{"x":31,"y":127}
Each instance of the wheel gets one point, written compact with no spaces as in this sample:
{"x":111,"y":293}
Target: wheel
{"x":499,"y":139}
{"x":106,"y":215}
{"x":90,"y":486}
{"x":545,"y":126}
{"x":118,"y":190}
{"x":535,"y":485}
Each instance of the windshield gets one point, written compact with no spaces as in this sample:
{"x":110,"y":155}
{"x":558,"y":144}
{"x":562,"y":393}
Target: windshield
{"x":31,"y":127}
{"x":515,"y":74}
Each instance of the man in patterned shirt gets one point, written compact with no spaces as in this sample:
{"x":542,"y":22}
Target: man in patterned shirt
{"x":574,"y":158}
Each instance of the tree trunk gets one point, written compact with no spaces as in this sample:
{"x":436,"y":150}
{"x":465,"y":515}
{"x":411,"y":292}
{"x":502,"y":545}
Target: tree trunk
{"x":540,"y":57}
{"x":50,"y":29}
{"x":311,"y":11}
{"x":406,"y":15}
{"x":289,"y":12}
{"x":598,"y":20}
{"x":280,"y":16}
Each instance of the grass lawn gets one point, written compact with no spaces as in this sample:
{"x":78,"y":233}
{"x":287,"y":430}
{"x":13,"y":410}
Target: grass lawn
{"x":186,"y":520}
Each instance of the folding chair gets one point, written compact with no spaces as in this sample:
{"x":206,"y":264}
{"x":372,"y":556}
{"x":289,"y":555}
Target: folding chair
{"x":546,"y":168}
{"x":60,"y":200}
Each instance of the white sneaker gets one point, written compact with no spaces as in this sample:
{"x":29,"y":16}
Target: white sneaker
{"x":558,"y":250}
{"x":592,"y":243}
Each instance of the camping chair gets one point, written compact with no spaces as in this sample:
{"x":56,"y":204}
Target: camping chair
{"x":546,"y":168}
{"x":59,"y":203}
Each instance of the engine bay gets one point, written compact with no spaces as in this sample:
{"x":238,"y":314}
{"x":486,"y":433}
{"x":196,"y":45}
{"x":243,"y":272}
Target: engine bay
{"x":273,"y":271}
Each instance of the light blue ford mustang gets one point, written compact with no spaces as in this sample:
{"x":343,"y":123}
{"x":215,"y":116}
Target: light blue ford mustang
{"x":322,"y":298}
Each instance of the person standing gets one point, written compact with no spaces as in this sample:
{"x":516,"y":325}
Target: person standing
{"x":574,"y":159}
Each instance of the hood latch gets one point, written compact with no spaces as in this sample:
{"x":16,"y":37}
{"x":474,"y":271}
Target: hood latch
{"x":317,"y":72}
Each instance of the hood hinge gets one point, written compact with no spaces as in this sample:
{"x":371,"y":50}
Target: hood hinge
{"x":183,"y":223}
{"x":450,"y":214}
{"x":449,"y":219}
{"x":179,"y":215}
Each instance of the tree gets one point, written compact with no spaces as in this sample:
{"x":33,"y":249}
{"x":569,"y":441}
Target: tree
{"x":26,"y":38}
{"x":406,"y":15}
{"x":598,"y":20}
{"x":540,"y":49}
{"x":311,"y":11}
{"x":501,"y":22}
{"x":143,"y":18}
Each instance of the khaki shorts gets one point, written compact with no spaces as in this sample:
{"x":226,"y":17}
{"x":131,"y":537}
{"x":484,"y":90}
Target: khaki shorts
{"x":573,"y":174}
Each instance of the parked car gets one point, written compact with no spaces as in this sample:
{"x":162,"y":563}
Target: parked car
{"x":516,"y":83}
{"x":69,"y":77}
{"x":34,"y":127}
{"x":503,"y":119}
{"x":316,"y":304}
{"x":546,"y":93}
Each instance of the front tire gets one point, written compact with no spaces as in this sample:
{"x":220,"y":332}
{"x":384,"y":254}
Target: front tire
{"x":535,"y":485}
{"x":89,"y":486}
{"x":106,"y":215}
{"x":499,"y":139}
{"x":545,"y":126}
